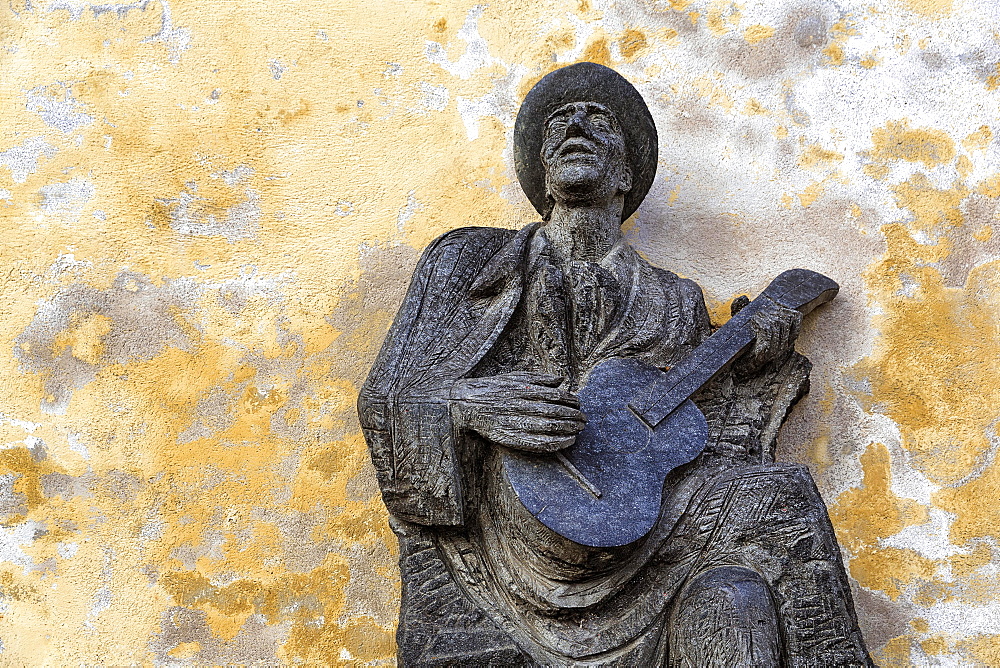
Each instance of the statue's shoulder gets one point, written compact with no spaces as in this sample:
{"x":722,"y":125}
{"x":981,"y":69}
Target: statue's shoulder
{"x":468,"y":238}
{"x":687,"y":289}
{"x":486,"y":256}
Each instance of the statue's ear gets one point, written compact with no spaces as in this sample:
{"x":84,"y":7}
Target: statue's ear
{"x":625,"y":180}
{"x":550,"y":203}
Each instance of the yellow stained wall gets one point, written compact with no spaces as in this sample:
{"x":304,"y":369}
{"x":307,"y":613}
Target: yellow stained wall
{"x":209,"y":213}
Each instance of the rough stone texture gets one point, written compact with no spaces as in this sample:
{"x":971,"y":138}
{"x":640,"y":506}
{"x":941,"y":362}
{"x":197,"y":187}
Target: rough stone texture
{"x":533,"y":417}
{"x":291,"y":160}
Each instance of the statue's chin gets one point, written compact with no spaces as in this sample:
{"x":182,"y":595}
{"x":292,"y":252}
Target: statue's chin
{"x":576,"y":182}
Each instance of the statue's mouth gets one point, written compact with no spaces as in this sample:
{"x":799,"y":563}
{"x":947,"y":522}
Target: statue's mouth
{"x":577,"y":146}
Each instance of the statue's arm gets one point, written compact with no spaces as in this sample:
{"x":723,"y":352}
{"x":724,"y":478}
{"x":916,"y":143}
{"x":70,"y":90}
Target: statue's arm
{"x":418,"y":402}
{"x":403,"y":405}
{"x":746,"y":403}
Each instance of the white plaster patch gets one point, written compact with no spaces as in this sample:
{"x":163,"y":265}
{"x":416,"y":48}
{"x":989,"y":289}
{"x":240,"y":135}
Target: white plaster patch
{"x":65,"y":264}
{"x":22,"y":160}
{"x":476,"y":54}
{"x":101,"y":600}
{"x":241,"y":221}
{"x":407,"y":211}
{"x":962,"y":620}
{"x":78,"y":446}
{"x":276,"y":67}
{"x":66,"y":198}
{"x":930,"y":539}
{"x":57,"y":108}
{"x":907,"y":481}
{"x":99,"y":603}
{"x":435,"y":98}
{"x":67,"y":550}
{"x":31,"y":442}
{"x":176,"y":39}
{"x":909,"y":286}
{"x":13,"y":538}
{"x":5,"y":194}
{"x":29,"y":427}
{"x":235,"y":175}
{"x":152,"y":529}
{"x":235,"y":294}
{"x":500,"y":103}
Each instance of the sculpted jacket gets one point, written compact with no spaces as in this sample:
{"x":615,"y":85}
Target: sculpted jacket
{"x":464,"y":291}
{"x":478,"y":572}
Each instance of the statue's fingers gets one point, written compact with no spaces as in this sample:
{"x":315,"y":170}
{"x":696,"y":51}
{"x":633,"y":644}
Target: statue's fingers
{"x":784,"y":332}
{"x":531,"y":424}
{"x":550,"y":394}
{"x":509,"y":396}
{"x":533,"y":378}
{"x":773,"y":335}
{"x":792,"y":320}
{"x":559,"y":411}
{"x":549,"y":443}
{"x":535,"y":442}
{"x":548,"y":380}
{"x":763,"y":341}
{"x":561,"y":427}
{"x":796,"y":324}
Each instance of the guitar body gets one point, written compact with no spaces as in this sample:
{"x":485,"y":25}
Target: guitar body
{"x":605,"y":489}
{"x":617,"y":453}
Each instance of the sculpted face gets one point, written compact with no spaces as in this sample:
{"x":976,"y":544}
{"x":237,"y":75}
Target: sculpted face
{"x":583,"y":151}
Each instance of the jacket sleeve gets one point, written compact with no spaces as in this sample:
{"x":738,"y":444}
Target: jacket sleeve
{"x":439,"y":333}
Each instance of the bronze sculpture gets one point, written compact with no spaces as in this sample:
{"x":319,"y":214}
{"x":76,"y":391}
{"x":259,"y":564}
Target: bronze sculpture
{"x":578,"y":470}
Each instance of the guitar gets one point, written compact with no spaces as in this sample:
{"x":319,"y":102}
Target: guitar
{"x":605,"y":489}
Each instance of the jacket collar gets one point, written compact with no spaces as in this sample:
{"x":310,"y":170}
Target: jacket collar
{"x":505,"y":264}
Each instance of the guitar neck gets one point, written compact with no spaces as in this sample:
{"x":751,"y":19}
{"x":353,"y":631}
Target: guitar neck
{"x":691,"y":374}
{"x":799,"y":289}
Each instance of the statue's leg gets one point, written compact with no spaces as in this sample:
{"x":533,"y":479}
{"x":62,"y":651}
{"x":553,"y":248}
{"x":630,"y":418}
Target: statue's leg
{"x":724,"y":617}
{"x":438,"y":624}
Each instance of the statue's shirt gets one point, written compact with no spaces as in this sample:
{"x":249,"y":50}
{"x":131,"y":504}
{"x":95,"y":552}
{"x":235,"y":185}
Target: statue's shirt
{"x":572,"y":316}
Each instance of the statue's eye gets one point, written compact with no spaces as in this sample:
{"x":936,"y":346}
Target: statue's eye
{"x":600,"y":122}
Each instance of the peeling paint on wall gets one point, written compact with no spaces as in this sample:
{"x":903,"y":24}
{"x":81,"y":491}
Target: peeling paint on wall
{"x":211,"y":212}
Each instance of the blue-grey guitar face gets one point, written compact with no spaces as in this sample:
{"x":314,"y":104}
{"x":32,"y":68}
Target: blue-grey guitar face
{"x":618,"y":455}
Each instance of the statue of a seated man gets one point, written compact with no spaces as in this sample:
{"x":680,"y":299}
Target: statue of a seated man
{"x":485,"y":363}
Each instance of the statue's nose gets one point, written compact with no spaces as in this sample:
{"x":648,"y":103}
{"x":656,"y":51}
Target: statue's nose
{"x":578,"y":126}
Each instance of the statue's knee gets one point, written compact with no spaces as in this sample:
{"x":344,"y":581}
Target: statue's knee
{"x":725,"y":617}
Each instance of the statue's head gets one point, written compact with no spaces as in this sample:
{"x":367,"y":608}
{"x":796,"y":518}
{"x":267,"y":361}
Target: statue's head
{"x":584,"y":155}
{"x":584,"y":136}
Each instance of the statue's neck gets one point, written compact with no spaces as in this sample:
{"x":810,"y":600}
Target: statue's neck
{"x":586,"y":233}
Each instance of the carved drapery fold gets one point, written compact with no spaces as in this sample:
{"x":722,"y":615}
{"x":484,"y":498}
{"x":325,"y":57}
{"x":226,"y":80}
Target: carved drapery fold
{"x":474,"y":593}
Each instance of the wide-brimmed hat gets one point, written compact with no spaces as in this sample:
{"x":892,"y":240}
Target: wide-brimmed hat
{"x":584,"y":82}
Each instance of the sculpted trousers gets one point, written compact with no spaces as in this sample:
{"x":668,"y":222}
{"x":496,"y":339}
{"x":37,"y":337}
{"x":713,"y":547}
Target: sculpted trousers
{"x":725,"y":617}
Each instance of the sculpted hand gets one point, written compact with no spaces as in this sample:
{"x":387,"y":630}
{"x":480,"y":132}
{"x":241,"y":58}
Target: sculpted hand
{"x":521,"y":410}
{"x":776,"y":328}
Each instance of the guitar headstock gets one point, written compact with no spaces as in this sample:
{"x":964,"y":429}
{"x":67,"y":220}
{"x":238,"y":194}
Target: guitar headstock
{"x":801,"y":289}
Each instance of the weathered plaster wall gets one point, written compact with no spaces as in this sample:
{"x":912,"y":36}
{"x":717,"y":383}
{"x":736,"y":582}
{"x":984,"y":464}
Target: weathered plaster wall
{"x":210,"y":210}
